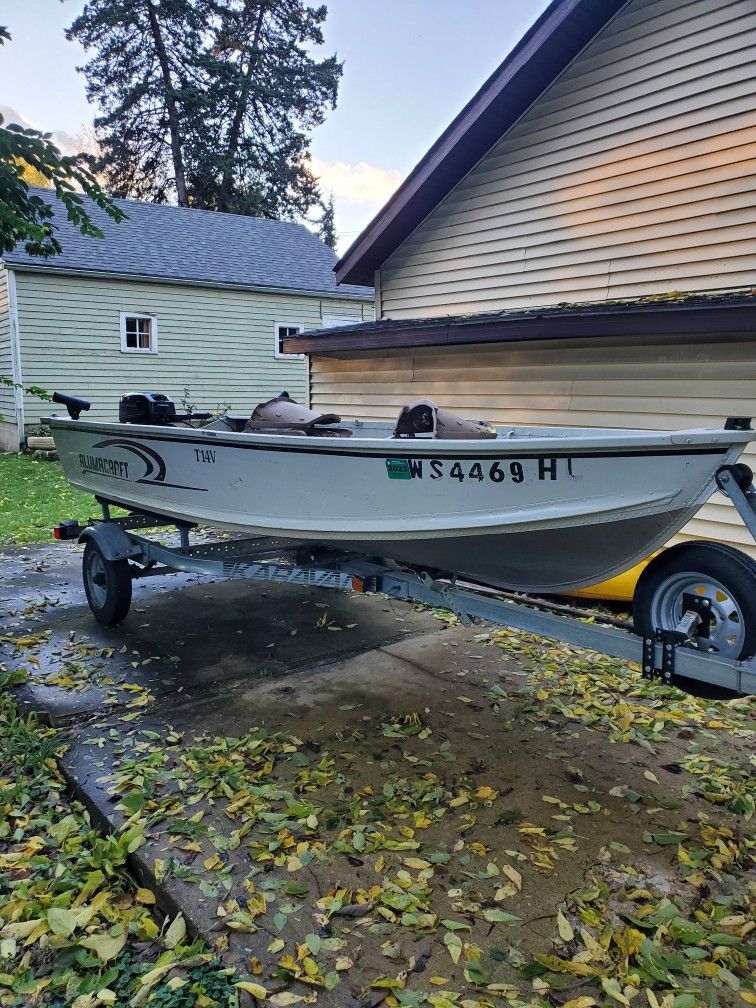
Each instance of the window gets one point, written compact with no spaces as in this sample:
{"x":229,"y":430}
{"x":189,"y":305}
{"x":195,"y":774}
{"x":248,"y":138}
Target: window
{"x":138,"y":333}
{"x":283,"y":331}
{"x":332,"y":321}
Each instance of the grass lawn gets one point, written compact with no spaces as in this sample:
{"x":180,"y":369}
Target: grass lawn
{"x":35,"y":496}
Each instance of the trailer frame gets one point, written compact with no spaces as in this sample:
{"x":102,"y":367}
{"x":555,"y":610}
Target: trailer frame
{"x":665,"y":655}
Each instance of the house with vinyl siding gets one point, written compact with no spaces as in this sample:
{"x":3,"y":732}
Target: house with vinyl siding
{"x":188,"y":302}
{"x":579,"y":246}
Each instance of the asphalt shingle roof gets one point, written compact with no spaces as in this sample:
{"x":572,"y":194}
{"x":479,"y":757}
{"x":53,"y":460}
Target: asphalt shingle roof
{"x":200,"y":246}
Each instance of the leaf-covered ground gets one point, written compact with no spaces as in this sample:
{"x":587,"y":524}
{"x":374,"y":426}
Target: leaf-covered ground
{"x":548,"y":829}
{"x":75,"y":929}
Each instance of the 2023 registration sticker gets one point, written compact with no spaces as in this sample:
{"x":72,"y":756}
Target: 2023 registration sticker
{"x":498,"y":471}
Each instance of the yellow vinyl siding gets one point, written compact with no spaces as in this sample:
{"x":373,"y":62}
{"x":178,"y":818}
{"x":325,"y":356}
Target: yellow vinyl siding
{"x":570,"y":383}
{"x":218,"y":343}
{"x":632,"y":174}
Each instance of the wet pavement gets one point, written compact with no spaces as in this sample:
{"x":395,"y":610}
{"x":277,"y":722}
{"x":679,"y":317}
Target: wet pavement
{"x":396,"y":757}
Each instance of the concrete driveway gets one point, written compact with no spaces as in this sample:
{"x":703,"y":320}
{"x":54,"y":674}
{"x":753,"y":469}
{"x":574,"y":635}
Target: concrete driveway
{"x":350,"y":798}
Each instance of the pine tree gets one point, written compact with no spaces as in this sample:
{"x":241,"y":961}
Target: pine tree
{"x":266,"y":93}
{"x":145,"y":75}
{"x":208,"y":102}
{"x":327,"y":224}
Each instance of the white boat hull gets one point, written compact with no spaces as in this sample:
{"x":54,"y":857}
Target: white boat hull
{"x":538,"y":509}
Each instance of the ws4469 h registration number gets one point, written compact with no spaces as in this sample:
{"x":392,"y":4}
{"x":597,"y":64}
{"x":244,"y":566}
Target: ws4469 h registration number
{"x":515,"y":471}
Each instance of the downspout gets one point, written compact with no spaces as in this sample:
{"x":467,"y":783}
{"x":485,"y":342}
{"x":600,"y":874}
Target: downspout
{"x":16,"y":371}
{"x":377,"y":286}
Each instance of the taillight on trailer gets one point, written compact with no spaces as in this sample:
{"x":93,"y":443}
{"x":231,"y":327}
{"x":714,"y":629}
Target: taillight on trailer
{"x":67,"y":530}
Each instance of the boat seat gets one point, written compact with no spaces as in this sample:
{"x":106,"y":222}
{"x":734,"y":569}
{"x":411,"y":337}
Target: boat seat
{"x":231,"y":424}
{"x":283,"y":415}
{"x":424,"y":419}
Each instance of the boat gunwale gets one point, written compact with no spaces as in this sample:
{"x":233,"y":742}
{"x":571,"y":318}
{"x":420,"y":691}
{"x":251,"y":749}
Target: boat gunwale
{"x":588,"y":442}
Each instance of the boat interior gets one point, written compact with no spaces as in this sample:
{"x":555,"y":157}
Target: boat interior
{"x":419,"y":419}
{"x":283,"y":415}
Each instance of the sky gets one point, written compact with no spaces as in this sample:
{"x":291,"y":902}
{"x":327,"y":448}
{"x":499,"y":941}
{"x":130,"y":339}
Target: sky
{"x":409,"y":67}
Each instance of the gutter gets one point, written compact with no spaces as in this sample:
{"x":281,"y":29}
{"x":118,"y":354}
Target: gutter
{"x":655,"y":319}
{"x":179,"y":282}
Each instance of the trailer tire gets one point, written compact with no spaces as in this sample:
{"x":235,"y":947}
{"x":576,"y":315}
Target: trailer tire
{"x":107,"y":584}
{"x":719,"y":573}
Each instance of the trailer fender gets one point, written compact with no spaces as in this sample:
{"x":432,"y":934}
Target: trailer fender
{"x":114,"y":543}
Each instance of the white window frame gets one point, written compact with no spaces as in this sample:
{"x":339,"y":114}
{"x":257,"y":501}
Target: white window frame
{"x":153,"y":347}
{"x":332,"y":321}
{"x":277,"y":353}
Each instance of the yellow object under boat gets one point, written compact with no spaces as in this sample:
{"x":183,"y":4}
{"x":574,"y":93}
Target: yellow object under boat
{"x":616,"y":589}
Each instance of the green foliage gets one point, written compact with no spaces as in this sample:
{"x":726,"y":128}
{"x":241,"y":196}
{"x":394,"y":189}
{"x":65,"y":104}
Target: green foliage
{"x":327,"y":224}
{"x":26,"y":217}
{"x":210,"y":102}
{"x":33,"y":390}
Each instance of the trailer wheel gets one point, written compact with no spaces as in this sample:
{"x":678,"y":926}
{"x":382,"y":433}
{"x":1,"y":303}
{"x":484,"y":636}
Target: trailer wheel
{"x":107,"y":584}
{"x":721,"y":575}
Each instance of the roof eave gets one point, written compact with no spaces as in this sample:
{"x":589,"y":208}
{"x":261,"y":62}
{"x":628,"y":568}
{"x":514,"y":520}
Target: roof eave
{"x":627,"y":320}
{"x":563,"y":29}
{"x":181,"y":282}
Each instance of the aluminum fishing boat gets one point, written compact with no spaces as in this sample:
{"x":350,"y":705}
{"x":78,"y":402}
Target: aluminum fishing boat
{"x":542,"y":509}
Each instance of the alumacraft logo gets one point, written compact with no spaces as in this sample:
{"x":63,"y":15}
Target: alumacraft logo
{"x":149,"y":465}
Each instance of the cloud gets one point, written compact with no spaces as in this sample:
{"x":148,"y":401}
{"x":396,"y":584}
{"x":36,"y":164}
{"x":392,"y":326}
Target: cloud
{"x":66,"y":143}
{"x":10,"y":115}
{"x":356,"y":183}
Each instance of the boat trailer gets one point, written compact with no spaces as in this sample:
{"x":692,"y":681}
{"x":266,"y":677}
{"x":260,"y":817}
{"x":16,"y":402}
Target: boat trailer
{"x":681,"y":649}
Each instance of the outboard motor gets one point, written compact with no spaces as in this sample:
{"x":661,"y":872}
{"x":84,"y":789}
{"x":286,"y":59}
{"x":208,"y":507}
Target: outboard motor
{"x":146,"y":408}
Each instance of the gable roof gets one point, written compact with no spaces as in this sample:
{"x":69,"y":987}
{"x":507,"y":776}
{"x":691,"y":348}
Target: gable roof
{"x":179,"y":244}
{"x":559,"y":34}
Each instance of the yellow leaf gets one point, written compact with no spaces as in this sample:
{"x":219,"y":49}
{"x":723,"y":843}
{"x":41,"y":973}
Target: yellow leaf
{"x":513,"y":875}
{"x":417,"y":863}
{"x":613,"y":989}
{"x":579,"y":1002}
{"x":145,"y":896}
{"x":650,"y":776}
{"x":104,"y":947}
{"x":255,"y":989}
{"x":486,"y":793}
{"x":564,"y":927}
{"x":175,"y":933}
{"x":438,"y":981}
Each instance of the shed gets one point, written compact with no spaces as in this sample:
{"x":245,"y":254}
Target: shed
{"x":188,"y":302}
{"x":578,"y":247}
